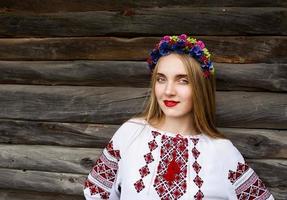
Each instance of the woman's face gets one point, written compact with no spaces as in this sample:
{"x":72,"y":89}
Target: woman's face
{"x":172,"y":88}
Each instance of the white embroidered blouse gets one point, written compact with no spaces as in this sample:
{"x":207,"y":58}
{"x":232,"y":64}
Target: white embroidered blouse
{"x":144,"y":163}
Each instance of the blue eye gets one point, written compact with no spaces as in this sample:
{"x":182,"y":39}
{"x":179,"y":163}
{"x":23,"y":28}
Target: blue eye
{"x":160,"y":79}
{"x":184,"y":81}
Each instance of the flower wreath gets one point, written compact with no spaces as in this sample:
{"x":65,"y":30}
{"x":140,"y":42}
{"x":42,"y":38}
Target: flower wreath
{"x":182,"y":44}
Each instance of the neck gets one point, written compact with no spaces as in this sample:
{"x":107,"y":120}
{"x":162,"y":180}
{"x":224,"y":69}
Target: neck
{"x":184,"y":125}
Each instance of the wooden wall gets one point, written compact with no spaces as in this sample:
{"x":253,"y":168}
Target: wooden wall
{"x":72,"y":71}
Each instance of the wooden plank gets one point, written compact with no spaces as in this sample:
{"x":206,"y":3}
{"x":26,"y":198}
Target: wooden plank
{"x":251,"y":77}
{"x":63,"y":183}
{"x":124,"y":5}
{"x":113,"y":105}
{"x":31,"y":195}
{"x":48,"y":158}
{"x":80,"y":160}
{"x":138,"y":22}
{"x":247,"y":77}
{"x":258,"y":143}
{"x":251,"y":110}
{"x":253,"y":143}
{"x":272,"y":172}
{"x":270,"y":169}
{"x":233,"y":49}
{"x":55,"y":133}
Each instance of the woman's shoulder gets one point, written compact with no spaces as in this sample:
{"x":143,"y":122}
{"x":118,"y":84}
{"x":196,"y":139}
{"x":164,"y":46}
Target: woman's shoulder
{"x":137,"y":120}
{"x":228,"y":152}
{"x":131,"y":125}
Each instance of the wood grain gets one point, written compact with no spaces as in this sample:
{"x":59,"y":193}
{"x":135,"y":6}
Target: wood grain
{"x":66,"y":183}
{"x":6,"y":194}
{"x":148,"y":21}
{"x":123,"y":5}
{"x":114,"y":105}
{"x":229,"y":49}
{"x":246,"y":77}
{"x":253,"y":143}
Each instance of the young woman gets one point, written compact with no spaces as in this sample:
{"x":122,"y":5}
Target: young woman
{"x":173,"y":149}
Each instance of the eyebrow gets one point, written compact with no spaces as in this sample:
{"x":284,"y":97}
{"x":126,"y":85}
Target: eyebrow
{"x":177,"y":75}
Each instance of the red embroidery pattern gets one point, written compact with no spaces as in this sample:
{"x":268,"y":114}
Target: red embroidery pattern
{"x":170,"y":181}
{"x":144,"y":171}
{"x":96,"y":190}
{"x":241,"y":169}
{"x":252,"y":187}
{"x":196,"y":166}
{"x":104,"y":172}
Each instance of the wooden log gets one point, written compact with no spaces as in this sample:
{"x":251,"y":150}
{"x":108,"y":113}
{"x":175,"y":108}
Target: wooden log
{"x":251,"y":110}
{"x":274,"y":175}
{"x":113,"y":105}
{"x":253,"y":143}
{"x":80,"y":160}
{"x":63,"y":183}
{"x":279,"y":192}
{"x":48,"y":158}
{"x":268,"y":170}
{"x":240,"y":49}
{"x":148,"y":21}
{"x":124,"y":5}
{"x":55,"y":133}
{"x":31,"y":195}
{"x":247,"y":77}
{"x":258,"y":143}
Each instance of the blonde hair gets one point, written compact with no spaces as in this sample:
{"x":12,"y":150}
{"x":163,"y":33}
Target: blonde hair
{"x":203,"y":98}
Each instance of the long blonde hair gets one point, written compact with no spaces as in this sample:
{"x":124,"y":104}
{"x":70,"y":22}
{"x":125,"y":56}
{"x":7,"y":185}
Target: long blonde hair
{"x":203,"y":99}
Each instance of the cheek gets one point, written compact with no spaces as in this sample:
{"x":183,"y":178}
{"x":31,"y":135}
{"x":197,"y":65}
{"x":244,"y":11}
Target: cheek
{"x":158,"y":90}
{"x":186,"y":93}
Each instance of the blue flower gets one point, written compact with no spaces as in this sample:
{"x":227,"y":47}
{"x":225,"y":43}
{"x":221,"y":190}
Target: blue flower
{"x":196,"y":52}
{"x":164,"y":48}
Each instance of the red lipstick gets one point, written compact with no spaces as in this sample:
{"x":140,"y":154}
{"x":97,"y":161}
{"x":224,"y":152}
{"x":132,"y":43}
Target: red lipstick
{"x":170,"y":103}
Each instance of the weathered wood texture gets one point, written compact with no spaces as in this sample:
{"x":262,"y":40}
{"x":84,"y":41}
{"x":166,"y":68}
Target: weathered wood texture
{"x":123,"y":5}
{"x":80,"y":160}
{"x":157,"y":21}
{"x":64,"y":183}
{"x":55,"y":133}
{"x":233,"y":49}
{"x":114,"y":105}
{"x":247,"y":77}
{"x":6,"y":194}
{"x":68,"y":183}
{"x":253,"y":143}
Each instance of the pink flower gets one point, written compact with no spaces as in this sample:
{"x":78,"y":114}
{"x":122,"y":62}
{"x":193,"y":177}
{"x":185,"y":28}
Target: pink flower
{"x":201,"y":44}
{"x":166,"y":38}
{"x":183,"y":37}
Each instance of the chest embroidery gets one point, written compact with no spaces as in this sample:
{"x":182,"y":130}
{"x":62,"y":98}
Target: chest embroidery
{"x":144,"y":171}
{"x":196,"y":166}
{"x":252,"y":187}
{"x":170,"y":181}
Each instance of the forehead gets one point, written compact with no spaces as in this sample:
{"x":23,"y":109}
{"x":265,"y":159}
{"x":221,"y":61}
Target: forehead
{"x":171,"y":65}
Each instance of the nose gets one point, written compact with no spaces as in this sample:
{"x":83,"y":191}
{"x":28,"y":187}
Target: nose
{"x":170,"y":88}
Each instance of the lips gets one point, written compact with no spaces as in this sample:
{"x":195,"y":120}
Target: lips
{"x":170,"y":103}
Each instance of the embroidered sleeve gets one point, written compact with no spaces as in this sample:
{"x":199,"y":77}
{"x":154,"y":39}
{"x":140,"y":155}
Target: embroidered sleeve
{"x":100,"y":181}
{"x":103,"y":181}
{"x":245,"y":183}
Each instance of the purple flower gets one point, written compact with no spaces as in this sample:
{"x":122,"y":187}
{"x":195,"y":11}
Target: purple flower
{"x":164,"y":48}
{"x":166,"y":38}
{"x":182,"y":37}
{"x":201,"y":44}
{"x":196,"y":52}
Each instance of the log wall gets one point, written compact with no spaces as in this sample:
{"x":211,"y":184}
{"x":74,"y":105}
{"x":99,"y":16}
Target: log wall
{"x":72,"y":71}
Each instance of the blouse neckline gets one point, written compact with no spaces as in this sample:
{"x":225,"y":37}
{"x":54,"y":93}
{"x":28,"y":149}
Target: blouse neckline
{"x":172,"y":134}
